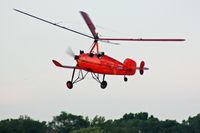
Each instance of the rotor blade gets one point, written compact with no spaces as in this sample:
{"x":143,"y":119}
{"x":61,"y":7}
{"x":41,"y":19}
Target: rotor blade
{"x":107,"y":41}
{"x":89,"y":23}
{"x":70,"y":52}
{"x":140,"y":39}
{"x":55,"y":24}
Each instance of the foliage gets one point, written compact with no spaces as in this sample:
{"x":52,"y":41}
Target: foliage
{"x":22,"y":125}
{"x":66,"y":122}
{"x":89,"y":130}
{"x":129,"y":123}
{"x":194,"y":123}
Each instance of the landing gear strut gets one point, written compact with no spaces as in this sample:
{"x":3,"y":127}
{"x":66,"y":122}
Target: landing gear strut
{"x":103,"y":83}
{"x":70,"y":83}
{"x":80,"y":77}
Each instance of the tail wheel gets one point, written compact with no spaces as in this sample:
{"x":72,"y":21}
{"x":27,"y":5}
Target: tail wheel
{"x":69,"y":84}
{"x":103,"y":84}
{"x":125,"y":79}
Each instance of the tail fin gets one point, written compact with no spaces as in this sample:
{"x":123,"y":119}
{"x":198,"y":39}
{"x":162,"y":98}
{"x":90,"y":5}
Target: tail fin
{"x":130,"y":65}
{"x":142,"y":68}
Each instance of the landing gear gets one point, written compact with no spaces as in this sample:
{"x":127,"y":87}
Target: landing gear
{"x":103,"y":84}
{"x":69,"y":84}
{"x":80,"y":77}
{"x":125,"y":79}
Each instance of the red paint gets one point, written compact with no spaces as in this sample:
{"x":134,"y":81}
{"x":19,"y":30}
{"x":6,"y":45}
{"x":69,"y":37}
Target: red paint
{"x":106,"y":65}
{"x":96,"y":62}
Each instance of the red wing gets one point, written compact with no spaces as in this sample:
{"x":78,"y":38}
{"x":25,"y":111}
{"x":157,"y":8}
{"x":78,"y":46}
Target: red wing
{"x":56,"y":63}
{"x":140,"y":39}
{"x":89,"y":23}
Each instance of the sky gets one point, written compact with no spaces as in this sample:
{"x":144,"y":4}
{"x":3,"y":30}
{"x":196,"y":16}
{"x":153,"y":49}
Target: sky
{"x":31,"y":85}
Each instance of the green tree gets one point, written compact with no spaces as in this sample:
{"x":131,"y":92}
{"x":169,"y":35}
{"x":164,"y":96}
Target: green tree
{"x":22,"y":125}
{"x":140,"y":116}
{"x":89,"y":130}
{"x":194,"y":123}
{"x":97,"y":121}
{"x":66,"y":122}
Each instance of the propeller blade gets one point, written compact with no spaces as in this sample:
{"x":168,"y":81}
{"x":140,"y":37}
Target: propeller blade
{"x":70,"y":52}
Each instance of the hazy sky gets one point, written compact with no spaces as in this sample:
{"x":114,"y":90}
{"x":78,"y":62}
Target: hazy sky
{"x":30,"y":84}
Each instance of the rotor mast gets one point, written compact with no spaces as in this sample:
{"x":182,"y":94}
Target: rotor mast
{"x":95,"y":44}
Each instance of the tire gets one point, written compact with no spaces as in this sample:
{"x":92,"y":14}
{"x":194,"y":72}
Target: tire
{"x":69,"y":84}
{"x":103,"y":84}
{"x":125,"y":79}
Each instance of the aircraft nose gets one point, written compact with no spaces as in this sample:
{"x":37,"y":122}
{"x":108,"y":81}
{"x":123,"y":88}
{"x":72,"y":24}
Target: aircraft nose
{"x":76,"y":57}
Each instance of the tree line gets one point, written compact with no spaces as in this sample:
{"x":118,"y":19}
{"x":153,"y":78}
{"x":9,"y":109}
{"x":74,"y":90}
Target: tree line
{"x":129,"y":123}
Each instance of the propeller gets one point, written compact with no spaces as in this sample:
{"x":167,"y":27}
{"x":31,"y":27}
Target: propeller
{"x":70,"y":52}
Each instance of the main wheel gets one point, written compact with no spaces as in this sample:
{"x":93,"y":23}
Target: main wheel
{"x":103,"y":84}
{"x":125,"y":79}
{"x":69,"y":84}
